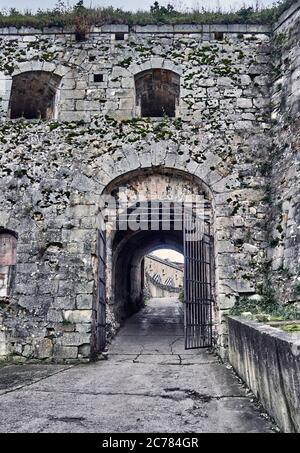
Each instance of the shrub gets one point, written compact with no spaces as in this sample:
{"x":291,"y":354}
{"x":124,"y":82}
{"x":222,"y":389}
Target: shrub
{"x":268,"y":306}
{"x":61,"y":16}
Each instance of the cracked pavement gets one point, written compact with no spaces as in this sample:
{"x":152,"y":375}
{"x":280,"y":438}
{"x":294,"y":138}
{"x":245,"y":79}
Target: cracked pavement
{"x":148,"y":384}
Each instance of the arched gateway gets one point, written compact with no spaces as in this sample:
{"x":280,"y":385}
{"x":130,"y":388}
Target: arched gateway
{"x":142,"y":211}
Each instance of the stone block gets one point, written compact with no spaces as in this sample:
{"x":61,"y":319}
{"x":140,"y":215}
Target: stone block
{"x":84,"y":351}
{"x":75,"y":339}
{"x":64,"y":303}
{"x":87,"y":105}
{"x":84,"y":301}
{"x":126,"y":104}
{"x":226,"y":301}
{"x":72,"y":94}
{"x":54,"y":316}
{"x":243,"y":103}
{"x":43,"y":348}
{"x":245,"y":80}
{"x":65,"y":352}
{"x":78,"y":316}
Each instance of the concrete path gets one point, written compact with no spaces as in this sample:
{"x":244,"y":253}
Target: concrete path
{"x":149,"y":384}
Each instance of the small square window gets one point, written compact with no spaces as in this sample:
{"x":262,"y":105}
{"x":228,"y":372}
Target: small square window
{"x":98,"y":78}
{"x":119,"y":36}
{"x":92,"y":58}
{"x":80,"y":36}
{"x":219,"y":36}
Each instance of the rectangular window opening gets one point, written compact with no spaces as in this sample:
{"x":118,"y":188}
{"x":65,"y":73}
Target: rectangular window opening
{"x":219,"y":36}
{"x":98,"y":78}
{"x":119,"y":36}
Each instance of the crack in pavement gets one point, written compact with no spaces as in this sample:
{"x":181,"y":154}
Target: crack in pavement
{"x":180,"y":360}
{"x":140,"y":381}
{"x":135,"y":360}
{"x":185,"y":393}
{"x":172,"y":344}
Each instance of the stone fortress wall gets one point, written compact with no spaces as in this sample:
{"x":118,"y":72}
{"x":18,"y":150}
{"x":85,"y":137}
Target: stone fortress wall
{"x":284,"y":171}
{"x":236,"y":129}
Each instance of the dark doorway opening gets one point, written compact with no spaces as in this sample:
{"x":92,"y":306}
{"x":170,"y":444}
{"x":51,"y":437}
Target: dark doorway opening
{"x":157,"y":92}
{"x":33,"y":95}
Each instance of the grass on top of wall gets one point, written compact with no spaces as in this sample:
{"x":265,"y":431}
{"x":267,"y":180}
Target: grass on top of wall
{"x":267,"y":306}
{"x":63,"y":16}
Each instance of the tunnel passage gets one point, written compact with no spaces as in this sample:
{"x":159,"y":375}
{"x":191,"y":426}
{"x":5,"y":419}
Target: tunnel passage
{"x":129,"y":249}
{"x":34,"y":95}
{"x":120,"y":294}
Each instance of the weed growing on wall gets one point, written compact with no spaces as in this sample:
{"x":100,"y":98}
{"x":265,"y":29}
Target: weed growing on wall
{"x":266,"y":305}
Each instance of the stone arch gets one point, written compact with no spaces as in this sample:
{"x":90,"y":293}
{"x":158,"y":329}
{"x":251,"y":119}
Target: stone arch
{"x":45,"y":66}
{"x":164,"y":155}
{"x":219,"y":185}
{"x":155,"y":63}
{"x":127,"y":249}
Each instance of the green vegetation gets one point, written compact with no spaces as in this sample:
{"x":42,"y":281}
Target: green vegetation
{"x":291,"y":328}
{"x":266,"y":305}
{"x":81,"y":17}
{"x":3,"y":304}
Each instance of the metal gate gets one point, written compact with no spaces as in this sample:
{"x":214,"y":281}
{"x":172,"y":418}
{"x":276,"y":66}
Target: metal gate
{"x":101,"y":293}
{"x":198,"y":282}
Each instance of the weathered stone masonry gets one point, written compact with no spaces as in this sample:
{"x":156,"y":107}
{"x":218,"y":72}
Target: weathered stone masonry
{"x":53,"y":172}
{"x":284,"y":190}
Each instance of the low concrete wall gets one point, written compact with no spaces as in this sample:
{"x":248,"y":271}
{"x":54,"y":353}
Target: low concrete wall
{"x":268,"y":360}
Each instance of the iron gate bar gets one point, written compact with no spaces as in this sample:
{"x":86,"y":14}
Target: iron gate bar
{"x":198,"y":284}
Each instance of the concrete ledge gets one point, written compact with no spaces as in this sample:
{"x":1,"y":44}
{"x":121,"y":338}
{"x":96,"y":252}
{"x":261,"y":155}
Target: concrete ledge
{"x":151,"y":28}
{"x":288,"y":14}
{"x":268,"y":360}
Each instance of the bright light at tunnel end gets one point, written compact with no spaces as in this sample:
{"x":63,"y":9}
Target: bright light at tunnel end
{"x":125,"y":212}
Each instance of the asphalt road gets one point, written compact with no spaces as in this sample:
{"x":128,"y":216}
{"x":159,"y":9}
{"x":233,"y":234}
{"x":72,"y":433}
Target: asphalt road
{"x":148,"y":384}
